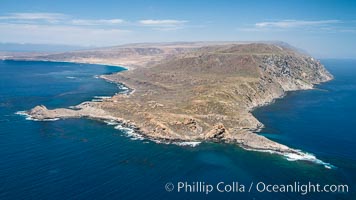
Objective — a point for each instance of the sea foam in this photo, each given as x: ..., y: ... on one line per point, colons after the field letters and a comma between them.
x: 191, y: 144
x: 307, y: 157
x: 100, y: 98
x: 71, y: 77
x: 303, y: 156
x: 29, y: 117
x: 131, y: 133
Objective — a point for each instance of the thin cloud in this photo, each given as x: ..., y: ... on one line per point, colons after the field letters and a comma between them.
x: 167, y: 22
x: 63, y: 19
x: 332, y: 25
x: 61, y: 34
x: 34, y: 16
x: 294, y: 23
x: 58, y: 28
x: 56, y: 18
x: 86, y: 22
x: 163, y: 25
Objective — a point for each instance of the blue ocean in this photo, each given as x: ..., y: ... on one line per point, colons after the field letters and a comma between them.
x: 88, y: 159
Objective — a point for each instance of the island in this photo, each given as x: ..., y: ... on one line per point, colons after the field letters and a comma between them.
x: 194, y: 91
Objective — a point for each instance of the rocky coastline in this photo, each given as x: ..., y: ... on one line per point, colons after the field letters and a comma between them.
x: 205, y: 94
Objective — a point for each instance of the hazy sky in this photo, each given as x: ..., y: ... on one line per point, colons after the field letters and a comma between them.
x: 323, y: 28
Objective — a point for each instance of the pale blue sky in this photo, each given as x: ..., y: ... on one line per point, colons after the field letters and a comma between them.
x: 323, y: 28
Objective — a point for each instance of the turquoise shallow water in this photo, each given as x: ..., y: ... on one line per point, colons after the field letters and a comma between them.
x: 86, y: 159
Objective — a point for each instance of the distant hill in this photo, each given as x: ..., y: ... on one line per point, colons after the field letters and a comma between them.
x: 134, y: 55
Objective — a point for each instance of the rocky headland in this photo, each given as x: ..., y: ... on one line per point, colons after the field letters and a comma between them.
x: 195, y: 91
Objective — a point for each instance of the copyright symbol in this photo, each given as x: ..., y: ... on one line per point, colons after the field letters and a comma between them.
x: 169, y: 187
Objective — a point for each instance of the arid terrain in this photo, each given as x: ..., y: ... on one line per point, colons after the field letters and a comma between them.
x: 194, y: 91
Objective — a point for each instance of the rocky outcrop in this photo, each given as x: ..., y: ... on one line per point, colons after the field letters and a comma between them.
x: 218, y: 133
x: 42, y: 113
x: 86, y: 109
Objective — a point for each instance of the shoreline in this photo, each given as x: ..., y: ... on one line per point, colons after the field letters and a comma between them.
x: 183, y: 99
x: 135, y: 133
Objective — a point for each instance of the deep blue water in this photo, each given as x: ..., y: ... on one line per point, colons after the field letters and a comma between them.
x: 86, y: 159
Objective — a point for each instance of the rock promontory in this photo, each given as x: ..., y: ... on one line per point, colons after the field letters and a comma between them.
x: 202, y: 92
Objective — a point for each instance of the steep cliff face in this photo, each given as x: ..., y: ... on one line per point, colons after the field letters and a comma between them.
x: 282, y: 73
x: 205, y: 93
x: 294, y: 72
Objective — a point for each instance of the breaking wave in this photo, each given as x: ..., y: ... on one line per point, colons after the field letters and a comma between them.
x: 302, y: 156
x: 100, y: 98
x: 71, y: 77
x: 191, y: 144
x: 137, y: 136
x: 29, y: 117
x: 307, y: 157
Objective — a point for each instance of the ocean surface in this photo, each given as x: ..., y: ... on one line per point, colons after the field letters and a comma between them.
x: 88, y: 159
